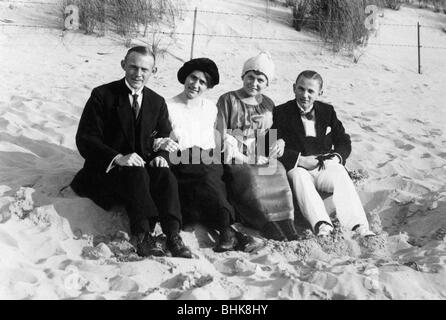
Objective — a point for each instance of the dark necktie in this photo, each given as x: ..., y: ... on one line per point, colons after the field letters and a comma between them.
x: 135, y: 106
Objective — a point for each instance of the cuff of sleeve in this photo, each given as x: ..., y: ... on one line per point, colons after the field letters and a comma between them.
x: 297, y: 161
x: 157, y: 144
x: 112, y: 163
x: 230, y: 146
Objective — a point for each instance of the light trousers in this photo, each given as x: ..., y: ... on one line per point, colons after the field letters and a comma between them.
x: 333, y: 179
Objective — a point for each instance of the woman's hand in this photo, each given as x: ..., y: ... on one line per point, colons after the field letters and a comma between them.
x: 277, y: 149
x: 261, y: 160
x: 159, y: 162
x: 166, y: 144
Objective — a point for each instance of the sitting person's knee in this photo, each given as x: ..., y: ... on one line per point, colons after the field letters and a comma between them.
x: 166, y: 174
x: 297, y: 173
x: 130, y: 170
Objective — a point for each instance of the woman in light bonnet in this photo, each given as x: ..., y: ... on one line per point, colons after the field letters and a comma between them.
x: 263, y: 202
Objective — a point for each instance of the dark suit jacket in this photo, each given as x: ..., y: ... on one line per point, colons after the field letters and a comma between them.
x: 288, y: 123
x: 107, y: 128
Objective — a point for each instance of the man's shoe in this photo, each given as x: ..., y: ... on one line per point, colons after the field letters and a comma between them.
x: 362, y: 231
x: 150, y: 246
x: 287, y: 227
x: 177, y: 247
x: 227, y: 240
x: 324, y: 230
x: 272, y: 231
x: 247, y: 243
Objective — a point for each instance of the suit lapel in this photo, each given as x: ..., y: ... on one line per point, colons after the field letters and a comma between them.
x: 143, y: 116
x: 296, y: 121
x: 320, y: 121
x: 125, y: 114
x: 146, y: 117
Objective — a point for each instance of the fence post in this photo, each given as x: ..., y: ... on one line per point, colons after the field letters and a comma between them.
x: 193, y: 34
x: 419, y: 48
x: 267, y: 10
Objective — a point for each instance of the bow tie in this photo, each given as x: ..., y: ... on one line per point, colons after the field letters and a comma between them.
x: 308, y: 115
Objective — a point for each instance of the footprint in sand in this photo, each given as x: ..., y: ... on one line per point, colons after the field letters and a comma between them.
x: 391, y: 158
x: 404, y: 146
x: 435, y: 133
x: 366, y: 128
x: 417, y: 121
x: 360, y: 117
x: 6, y: 238
x: 356, y: 137
x: 407, y: 137
x: 126, y: 284
x: 19, y: 275
x: 368, y: 146
x: 429, y: 145
x: 16, y: 99
x: 370, y: 114
x: 3, y: 122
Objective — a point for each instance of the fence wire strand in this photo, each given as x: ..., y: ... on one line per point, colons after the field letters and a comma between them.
x: 4, y: 25
x: 247, y: 37
x: 267, y: 17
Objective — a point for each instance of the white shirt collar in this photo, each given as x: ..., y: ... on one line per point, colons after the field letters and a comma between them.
x: 302, y: 110
x: 133, y: 91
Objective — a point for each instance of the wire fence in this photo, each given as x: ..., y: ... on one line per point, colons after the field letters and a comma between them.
x: 7, y: 25
x: 182, y: 10
x: 266, y: 16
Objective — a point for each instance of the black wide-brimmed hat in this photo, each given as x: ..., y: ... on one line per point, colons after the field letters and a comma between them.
x: 200, y: 64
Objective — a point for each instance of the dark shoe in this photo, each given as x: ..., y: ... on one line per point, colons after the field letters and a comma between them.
x: 287, y: 227
x: 177, y: 247
x: 227, y: 240
x: 272, y: 231
x: 150, y: 246
x: 246, y: 242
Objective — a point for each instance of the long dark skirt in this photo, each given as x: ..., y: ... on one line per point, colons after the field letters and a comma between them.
x: 203, y: 195
x: 258, y: 197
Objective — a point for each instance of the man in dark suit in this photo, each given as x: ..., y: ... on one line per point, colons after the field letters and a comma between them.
x: 115, y: 136
x: 316, y: 148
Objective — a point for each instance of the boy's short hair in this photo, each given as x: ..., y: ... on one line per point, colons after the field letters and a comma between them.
x: 142, y: 50
x: 310, y: 74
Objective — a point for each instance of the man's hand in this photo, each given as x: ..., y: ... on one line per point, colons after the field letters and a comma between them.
x: 167, y: 144
x: 308, y: 162
x: 159, y: 162
x: 130, y: 160
x: 277, y: 149
x: 261, y: 160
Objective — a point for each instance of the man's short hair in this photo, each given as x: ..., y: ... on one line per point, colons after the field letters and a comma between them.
x: 142, y: 50
x: 310, y: 74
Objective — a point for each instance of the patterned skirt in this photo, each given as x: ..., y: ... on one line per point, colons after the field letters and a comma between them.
x: 259, y: 195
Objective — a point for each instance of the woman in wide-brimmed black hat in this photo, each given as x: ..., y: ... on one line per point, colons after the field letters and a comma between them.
x: 195, y: 157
